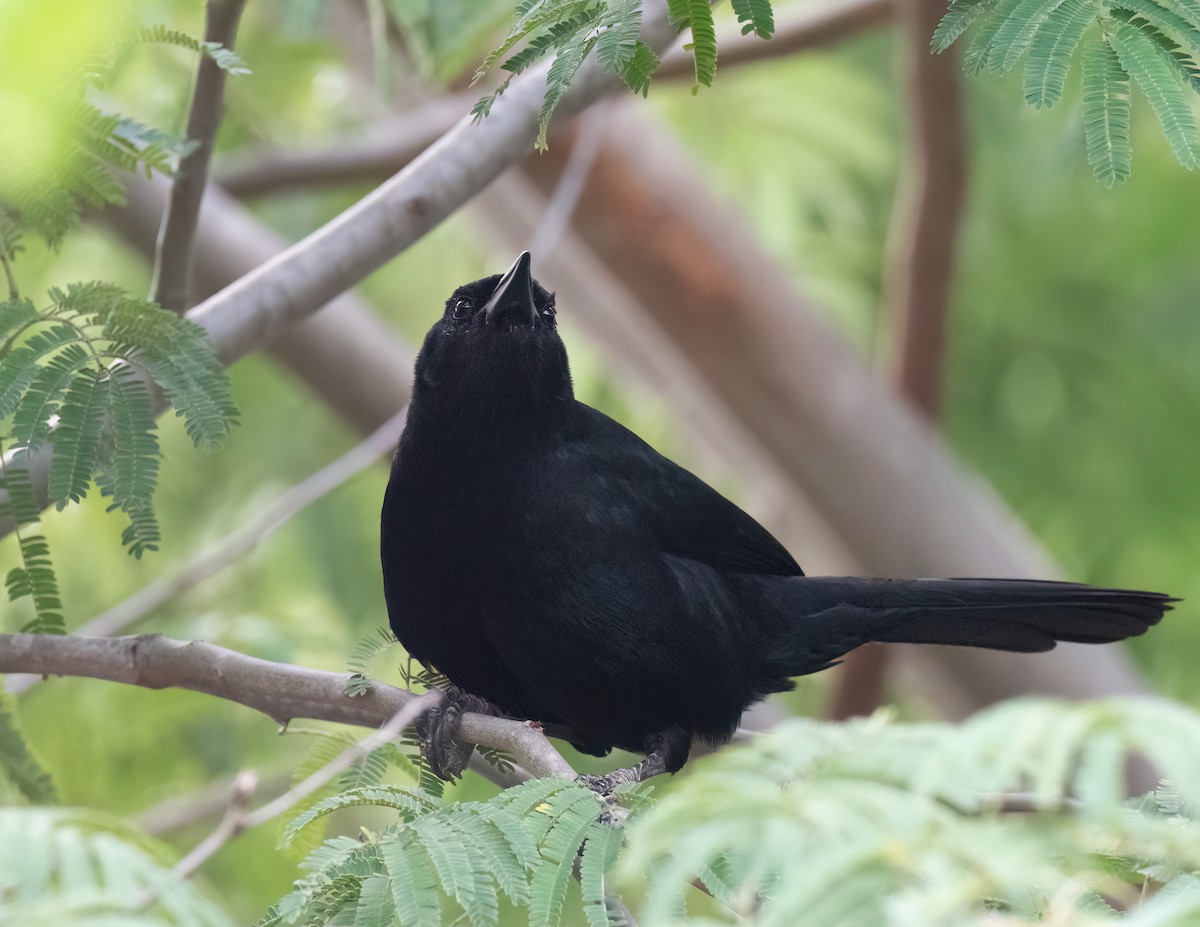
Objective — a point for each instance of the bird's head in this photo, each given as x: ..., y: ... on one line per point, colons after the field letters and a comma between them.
x: 495, y: 350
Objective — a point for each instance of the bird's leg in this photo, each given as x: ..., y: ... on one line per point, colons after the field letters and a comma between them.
x: 438, y: 730
x: 665, y: 752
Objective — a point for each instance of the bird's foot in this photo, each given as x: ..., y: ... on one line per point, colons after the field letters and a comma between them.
x: 605, y: 785
x: 438, y: 729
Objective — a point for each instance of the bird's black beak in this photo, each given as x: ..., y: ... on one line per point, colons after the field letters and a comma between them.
x: 513, y: 296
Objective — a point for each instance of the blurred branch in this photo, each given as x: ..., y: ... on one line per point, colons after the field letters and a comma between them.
x: 279, y: 690
x: 180, y: 811
x: 876, y: 472
x: 235, y: 545
x: 388, y: 146
x: 382, y: 148
x: 232, y: 823
x: 172, y: 268
x: 6, y: 259
x: 920, y: 272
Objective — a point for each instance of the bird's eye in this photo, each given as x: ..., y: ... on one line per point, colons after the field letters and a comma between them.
x: 462, y: 309
x: 548, y: 311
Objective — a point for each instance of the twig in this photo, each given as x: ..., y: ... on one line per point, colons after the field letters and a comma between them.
x: 232, y: 824
x: 279, y: 690
x: 235, y: 545
x: 183, y: 810
x: 172, y: 269
x: 396, y: 725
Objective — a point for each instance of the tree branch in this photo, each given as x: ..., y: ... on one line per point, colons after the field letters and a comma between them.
x: 172, y: 270
x: 279, y: 690
x: 386, y: 147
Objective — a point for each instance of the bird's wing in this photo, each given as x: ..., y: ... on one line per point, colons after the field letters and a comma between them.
x: 634, y: 489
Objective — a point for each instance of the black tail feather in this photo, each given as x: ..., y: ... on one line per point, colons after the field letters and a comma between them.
x: 833, y: 615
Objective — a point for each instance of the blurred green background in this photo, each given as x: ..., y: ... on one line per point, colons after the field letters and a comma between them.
x: 1073, y: 379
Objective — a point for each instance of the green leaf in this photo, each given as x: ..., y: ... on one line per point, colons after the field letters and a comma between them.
x: 82, y: 416
x: 414, y: 882
x: 537, y: 17
x: 1014, y: 36
x: 566, y: 64
x: 1158, y: 83
x: 406, y: 801
x: 980, y: 50
x: 135, y: 458
x: 640, y: 69
x: 698, y: 16
x: 375, y: 907
x: 1164, y: 19
x: 756, y: 16
x: 17, y: 761
x: 958, y: 17
x: 617, y: 40
x: 1172, y: 53
x: 1051, y: 51
x: 1106, y: 97
x: 600, y: 852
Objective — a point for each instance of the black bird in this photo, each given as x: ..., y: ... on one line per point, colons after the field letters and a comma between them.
x: 551, y: 563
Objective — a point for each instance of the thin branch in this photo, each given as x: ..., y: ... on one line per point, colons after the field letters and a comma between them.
x: 279, y: 690
x: 172, y: 270
x: 212, y: 798
x: 395, y: 726
x: 232, y: 824
x: 385, y: 148
x: 232, y: 548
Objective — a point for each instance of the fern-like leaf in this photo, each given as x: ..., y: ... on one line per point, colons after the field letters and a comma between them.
x: 537, y: 17
x: 617, y: 40
x: 1157, y: 81
x: 640, y: 69
x: 1164, y: 19
x: 566, y: 64
x: 1013, y: 37
x: 82, y: 417
x: 135, y: 459
x: 406, y: 801
x: 40, y: 402
x: 600, y: 852
x: 958, y: 18
x: 375, y: 908
x: 979, y: 51
x: 413, y: 882
x: 697, y: 15
x: 1051, y: 50
x: 1106, y: 98
x: 756, y: 17
x: 221, y: 56
x: 569, y: 823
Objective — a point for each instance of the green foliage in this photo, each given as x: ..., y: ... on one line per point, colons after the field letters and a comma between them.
x: 359, y: 661
x: 80, y: 362
x: 1154, y: 42
x: 522, y: 845
x: 1019, y: 813
x: 18, y: 765
x: 572, y: 29
x: 75, y: 867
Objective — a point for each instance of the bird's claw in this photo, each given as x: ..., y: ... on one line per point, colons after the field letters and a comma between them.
x: 438, y: 729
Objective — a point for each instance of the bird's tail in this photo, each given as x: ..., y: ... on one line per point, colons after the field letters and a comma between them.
x: 830, y: 616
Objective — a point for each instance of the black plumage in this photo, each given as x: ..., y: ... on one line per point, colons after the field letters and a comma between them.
x: 548, y: 560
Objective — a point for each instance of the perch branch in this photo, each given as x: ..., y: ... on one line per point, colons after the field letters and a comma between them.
x: 279, y: 690
x: 172, y: 269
